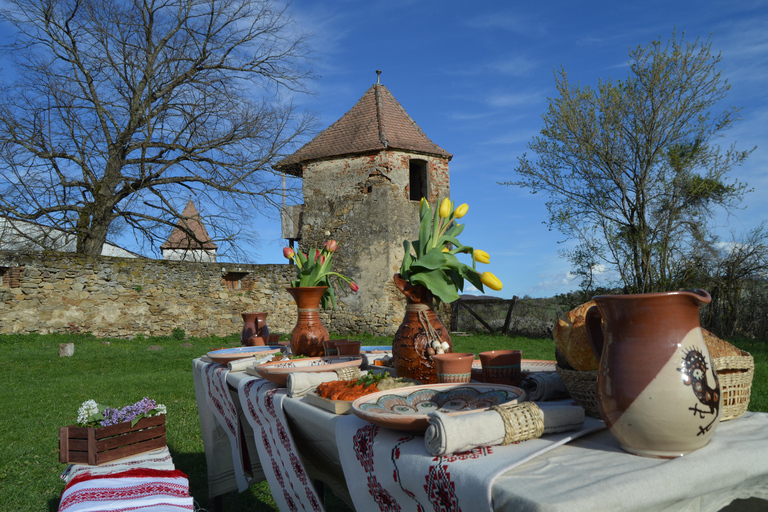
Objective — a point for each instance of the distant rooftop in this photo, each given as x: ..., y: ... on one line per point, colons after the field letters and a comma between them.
x: 180, y: 239
x: 376, y: 122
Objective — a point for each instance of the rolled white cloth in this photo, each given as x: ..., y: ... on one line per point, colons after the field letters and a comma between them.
x: 299, y: 384
x: 452, y: 434
x: 544, y: 386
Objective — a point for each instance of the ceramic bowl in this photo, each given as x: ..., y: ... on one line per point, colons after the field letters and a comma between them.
x: 408, y: 408
x: 278, y: 371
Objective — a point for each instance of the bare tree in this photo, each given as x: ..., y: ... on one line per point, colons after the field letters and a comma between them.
x: 121, y: 111
x: 631, y: 170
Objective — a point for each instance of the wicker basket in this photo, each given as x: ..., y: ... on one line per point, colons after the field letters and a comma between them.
x: 583, y: 388
x: 735, y: 375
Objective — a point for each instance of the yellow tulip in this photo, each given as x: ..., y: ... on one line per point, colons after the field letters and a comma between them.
x: 482, y: 256
x: 445, y: 249
x: 421, y: 203
x: 461, y: 211
x: 445, y: 208
x: 491, y: 281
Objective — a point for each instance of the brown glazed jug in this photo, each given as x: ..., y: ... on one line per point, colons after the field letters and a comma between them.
x: 254, y: 325
x: 657, y: 390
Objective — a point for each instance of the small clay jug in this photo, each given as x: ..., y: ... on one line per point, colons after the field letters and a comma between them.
x: 254, y: 325
x: 412, y: 345
x: 309, y: 333
x: 657, y: 390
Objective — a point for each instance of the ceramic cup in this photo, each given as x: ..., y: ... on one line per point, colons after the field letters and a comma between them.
x: 348, y: 348
x: 502, y: 366
x: 329, y: 348
x: 255, y: 341
x: 454, y: 368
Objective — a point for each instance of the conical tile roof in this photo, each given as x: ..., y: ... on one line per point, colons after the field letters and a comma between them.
x: 180, y: 239
x: 376, y: 122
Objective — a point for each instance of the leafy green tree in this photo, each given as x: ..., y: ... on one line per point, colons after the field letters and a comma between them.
x: 121, y: 110
x: 630, y: 169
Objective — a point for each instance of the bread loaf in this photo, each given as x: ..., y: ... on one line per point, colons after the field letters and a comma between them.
x: 571, y: 340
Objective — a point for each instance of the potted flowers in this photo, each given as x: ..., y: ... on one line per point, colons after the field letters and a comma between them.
x: 431, y: 271
x: 311, y: 288
x: 104, y: 434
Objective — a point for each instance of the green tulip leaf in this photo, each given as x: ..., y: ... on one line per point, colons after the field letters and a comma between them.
x: 438, y: 283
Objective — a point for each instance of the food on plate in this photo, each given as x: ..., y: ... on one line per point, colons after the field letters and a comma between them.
x: 570, y: 333
x: 718, y: 347
x: 365, y: 385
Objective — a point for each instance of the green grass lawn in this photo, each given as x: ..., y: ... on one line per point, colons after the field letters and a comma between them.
x: 42, y: 391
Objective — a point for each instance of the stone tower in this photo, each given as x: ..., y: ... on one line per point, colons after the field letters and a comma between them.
x: 363, y: 179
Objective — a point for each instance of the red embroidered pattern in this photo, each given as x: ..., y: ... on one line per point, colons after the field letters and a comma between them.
x: 363, y: 443
x: 440, y: 490
x: 136, y: 491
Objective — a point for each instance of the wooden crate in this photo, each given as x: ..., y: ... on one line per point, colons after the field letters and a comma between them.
x: 99, y: 445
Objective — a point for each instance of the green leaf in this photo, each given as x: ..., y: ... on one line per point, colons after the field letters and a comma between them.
x: 438, y: 283
x: 436, y: 259
x: 405, y: 266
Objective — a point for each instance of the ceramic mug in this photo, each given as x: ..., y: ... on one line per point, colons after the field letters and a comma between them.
x: 454, y: 368
x: 348, y: 348
x: 502, y: 366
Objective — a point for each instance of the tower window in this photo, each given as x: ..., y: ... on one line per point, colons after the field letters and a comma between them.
x: 418, y: 180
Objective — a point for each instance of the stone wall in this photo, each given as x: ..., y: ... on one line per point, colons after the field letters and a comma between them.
x: 120, y: 297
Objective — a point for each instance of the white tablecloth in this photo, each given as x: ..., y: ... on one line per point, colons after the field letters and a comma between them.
x: 589, y: 474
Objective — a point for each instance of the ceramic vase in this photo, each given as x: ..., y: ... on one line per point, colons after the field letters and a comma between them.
x: 254, y: 326
x: 309, y: 333
x: 412, y: 346
x: 657, y: 390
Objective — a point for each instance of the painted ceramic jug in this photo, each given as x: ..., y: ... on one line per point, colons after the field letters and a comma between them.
x: 657, y: 390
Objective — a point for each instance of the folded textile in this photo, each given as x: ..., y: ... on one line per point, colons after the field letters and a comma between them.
x: 156, y: 459
x: 135, y: 489
x: 239, y: 365
x: 299, y: 384
x: 448, y: 434
x: 544, y: 386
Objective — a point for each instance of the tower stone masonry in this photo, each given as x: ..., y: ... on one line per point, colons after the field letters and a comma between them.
x: 363, y: 179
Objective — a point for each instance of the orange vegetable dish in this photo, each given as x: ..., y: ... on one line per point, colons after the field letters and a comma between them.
x: 345, y: 390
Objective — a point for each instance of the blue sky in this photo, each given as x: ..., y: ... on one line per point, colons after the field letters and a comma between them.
x: 475, y: 76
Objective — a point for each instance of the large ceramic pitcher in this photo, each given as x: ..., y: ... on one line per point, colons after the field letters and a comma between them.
x: 657, y: 390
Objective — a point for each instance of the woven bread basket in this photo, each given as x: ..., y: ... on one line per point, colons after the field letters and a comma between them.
x: 582, y: 387
x: 735, y: 375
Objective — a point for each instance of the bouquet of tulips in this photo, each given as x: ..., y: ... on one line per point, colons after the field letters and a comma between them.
x: 431, y: 260
x: 315, y: 270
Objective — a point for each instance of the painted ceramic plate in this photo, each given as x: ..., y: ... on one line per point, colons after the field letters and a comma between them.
x: 278, y: 371
x: 225, y: 355
x: 407, y: 408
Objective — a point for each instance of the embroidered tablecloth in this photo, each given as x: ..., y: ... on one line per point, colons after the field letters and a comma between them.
x: 262, y: 402
x: 222, y: 406
x: 147, y: 490
x: 391, y: 470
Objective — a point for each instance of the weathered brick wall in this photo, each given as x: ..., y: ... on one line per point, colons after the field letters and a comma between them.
x: 116, y: 297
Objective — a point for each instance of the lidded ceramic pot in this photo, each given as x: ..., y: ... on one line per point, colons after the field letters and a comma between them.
x: 657, y: 390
